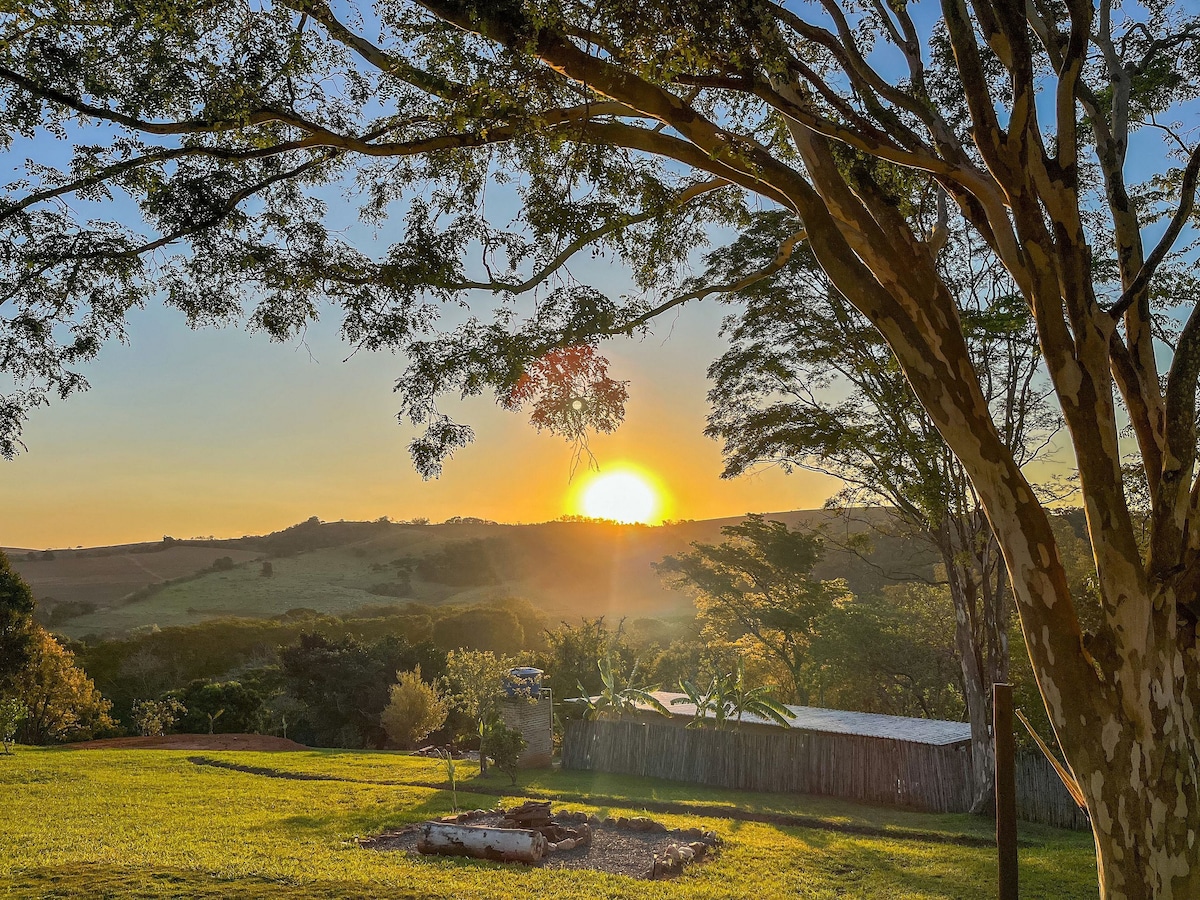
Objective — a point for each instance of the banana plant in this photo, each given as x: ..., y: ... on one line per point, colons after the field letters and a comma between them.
x: 619, y: 695
x: 740, y: 699
x: 727, y: 699
x: 709, y: 705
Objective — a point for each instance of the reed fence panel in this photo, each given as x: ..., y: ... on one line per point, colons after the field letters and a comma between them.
x: 1041, y: 796
x: 876, y: 770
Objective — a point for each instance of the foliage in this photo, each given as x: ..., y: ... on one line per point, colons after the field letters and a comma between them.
x: 892, y: 653
x: 470, y: 563
x: 569, y: 659
x: 415, y: 709
x: 61, y: 702
x: 480, y: 628
x: 756, y: 586
x: 224, y: 707
x: 620, y: 695
x: 16, y: 623
x: 12, y: 714
x: 505, y: 746
x: 55, y: 612
x: 476, y: 681
x: 154, y: 718
x: 344, y: 685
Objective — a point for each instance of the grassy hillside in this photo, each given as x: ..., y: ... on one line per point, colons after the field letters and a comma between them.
x: 104, y: 575
x: 567, y: 569
x: 126, y: 824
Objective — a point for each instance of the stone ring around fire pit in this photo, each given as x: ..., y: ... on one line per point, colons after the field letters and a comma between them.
x: 530, y: 834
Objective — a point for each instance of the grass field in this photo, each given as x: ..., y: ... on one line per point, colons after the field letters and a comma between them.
x: 164, y: 824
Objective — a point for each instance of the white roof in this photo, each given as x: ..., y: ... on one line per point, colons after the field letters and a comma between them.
x: 840, y: 721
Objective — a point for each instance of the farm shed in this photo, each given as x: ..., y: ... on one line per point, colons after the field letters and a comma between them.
x: 918, y: 763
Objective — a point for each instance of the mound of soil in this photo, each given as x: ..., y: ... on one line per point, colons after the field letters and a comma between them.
x: 258, y: 742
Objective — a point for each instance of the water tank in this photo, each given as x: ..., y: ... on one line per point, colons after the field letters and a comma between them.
x: 523, y: 682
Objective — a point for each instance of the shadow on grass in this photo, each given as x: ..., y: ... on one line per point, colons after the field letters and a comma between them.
x: 374, y: 818
x: 111, y: 882
x: 652, y: 806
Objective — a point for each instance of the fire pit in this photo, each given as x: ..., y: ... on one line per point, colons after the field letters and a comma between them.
x: 533, y: 835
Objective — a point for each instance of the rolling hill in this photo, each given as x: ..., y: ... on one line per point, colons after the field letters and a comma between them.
x: 567, y: 569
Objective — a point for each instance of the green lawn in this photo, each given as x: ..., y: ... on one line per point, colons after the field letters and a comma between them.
x: 156, y: 824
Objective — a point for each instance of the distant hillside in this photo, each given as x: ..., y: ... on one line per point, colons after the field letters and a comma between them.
x: 567, y: 569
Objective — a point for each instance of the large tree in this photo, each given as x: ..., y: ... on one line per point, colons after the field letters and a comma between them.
x: 631, y: 126
x: 808, y: 382
x: 755, y: 588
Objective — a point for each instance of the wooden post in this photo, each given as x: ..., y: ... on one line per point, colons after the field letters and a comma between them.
x: 1006, y: 789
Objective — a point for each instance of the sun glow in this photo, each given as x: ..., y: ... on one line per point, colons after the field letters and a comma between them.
x: 623, y: 496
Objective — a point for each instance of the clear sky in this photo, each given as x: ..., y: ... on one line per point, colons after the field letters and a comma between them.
x: 221, y: 432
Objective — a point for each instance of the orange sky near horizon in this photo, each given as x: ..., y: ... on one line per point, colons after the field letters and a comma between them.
x: 221, y: 432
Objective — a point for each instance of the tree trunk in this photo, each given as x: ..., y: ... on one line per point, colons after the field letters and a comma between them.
x: 979, y: 593
x: 1139, y: 775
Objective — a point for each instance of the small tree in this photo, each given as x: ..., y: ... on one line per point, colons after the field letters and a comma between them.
x: 415, y: 709
x: 12, y: 713
x: 61, y: 701
x: 447, y: 758
x: 476, y: 681
x: 505, y: 746
x: 154, y: 718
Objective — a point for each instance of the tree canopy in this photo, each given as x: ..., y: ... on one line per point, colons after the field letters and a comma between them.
x: 635, y: 128
x: 16, y: 624
x: 755, y: 588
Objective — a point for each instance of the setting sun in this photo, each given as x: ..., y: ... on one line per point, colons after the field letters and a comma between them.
x: 621, y: 496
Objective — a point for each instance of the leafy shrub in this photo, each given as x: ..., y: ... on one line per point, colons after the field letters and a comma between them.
x: 226, y: 707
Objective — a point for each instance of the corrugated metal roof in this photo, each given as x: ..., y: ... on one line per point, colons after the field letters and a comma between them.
x: 839, y: 721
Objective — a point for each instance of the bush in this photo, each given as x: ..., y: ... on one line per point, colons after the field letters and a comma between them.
x: 154, y: 718
x: 227, y: 707
x: 12, y: 714
x: 61, y: 702
x: 415, y: 710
